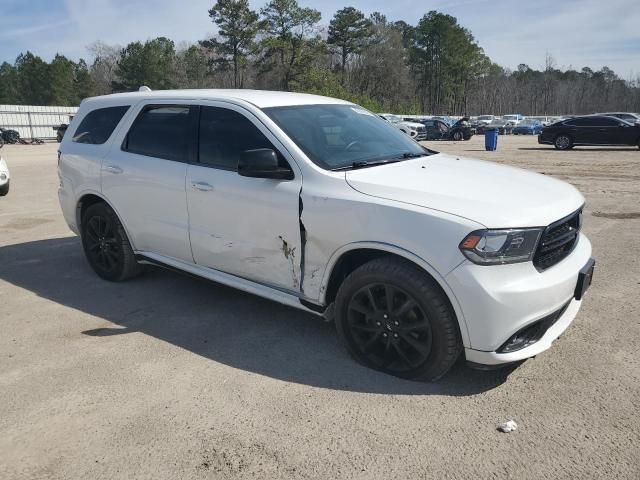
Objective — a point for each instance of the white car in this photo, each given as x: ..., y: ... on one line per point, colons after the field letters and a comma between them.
x: 5, y: 178
x: 321, y: 205
x: 484, y: 119
x: 415, y: 130
x: 513, y: 120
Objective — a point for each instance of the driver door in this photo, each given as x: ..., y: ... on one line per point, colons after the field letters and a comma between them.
x: 248, y: 227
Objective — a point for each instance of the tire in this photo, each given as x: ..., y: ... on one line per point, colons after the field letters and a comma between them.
x: 416, y: 337
x: 563, y: 142
x: 106, y: 245
x: 457, y: 136
x: 4, y: 189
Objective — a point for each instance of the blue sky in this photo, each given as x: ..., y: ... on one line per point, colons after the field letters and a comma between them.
x: 576, y: 33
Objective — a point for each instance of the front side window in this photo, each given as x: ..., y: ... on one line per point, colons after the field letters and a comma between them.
x: 162, y: 131
x: 98, y: 125
x: 224, y: 135
x: 337, y: 136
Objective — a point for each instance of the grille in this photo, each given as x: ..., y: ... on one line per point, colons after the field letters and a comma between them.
x: 558, y: 241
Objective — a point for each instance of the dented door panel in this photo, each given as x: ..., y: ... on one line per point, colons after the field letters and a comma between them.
x: 248, y: 227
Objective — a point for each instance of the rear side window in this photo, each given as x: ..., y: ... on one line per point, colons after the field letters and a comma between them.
x: 98, y: 125
x: 582, y: 122
x: 162, y: 131
x: 224, y: 135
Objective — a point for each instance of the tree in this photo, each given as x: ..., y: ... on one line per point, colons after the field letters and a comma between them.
x: 33, y: 80
x: 61, y: 81
x: 238, y: 26
x: 8, y: 84
x: 104, y: 66
x: 444, y: 56
x: 288, y: 47
x: 348, y: 31
x: 150, y: 64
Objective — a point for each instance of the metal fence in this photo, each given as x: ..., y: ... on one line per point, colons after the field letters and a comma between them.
x: 33, y: 121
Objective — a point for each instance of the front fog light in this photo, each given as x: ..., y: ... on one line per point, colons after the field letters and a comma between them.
x: 497, y: 247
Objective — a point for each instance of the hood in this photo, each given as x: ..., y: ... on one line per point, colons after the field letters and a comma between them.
x: 493, y: 195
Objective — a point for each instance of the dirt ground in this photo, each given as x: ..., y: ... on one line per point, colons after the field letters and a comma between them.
x: 168, y: 376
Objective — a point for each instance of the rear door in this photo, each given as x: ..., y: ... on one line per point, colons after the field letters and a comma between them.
x: 609, y: 131
x: 248, y: 227
x: 144, y: 177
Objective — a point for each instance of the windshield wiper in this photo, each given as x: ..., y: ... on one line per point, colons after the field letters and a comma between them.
x: 374, y: 163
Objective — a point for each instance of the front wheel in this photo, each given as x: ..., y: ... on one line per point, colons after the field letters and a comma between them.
x: 4, y: 189
x: 394, y: 318
x: 563, y: 142
x: 457, y: 136
x: 106, y: 245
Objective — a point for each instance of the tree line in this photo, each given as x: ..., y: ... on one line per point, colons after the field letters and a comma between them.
x: 435, y: 66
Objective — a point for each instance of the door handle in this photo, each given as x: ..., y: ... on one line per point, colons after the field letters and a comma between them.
x: 113, y: 169
x: 202, y: 186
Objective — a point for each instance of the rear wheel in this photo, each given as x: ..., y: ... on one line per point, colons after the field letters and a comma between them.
x: 394, y: 318
x: 106, y: 244
x: 563, y: 142
x: 4, y: 189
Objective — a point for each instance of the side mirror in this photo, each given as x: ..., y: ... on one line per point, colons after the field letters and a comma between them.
x: 262, y: 163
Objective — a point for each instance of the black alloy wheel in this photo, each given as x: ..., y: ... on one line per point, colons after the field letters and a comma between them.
x: 389, y: 328
x: 106, y: 245
x: 563, y: 142
x: 101, y: 244
x: 393, y: 317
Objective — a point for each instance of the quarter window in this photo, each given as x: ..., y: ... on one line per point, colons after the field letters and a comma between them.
x: 225, y: 134
x: 98, y: 125
x: 162, y: 131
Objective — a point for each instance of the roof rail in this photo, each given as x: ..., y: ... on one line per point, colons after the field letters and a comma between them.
x: 144, y: 88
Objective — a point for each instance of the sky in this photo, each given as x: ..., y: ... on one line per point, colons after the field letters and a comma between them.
x: 576, y: 33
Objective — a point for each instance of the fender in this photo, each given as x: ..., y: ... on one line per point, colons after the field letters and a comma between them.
x: 104, y: 199
x: 415, y: 259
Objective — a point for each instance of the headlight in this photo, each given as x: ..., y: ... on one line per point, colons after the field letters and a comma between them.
x: 497, y: 247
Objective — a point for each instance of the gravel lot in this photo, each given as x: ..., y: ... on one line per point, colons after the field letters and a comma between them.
x: 168, y: 376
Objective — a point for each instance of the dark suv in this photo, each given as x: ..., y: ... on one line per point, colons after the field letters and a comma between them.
x: 590, y: 130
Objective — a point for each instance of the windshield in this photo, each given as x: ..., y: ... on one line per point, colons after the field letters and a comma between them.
x: 337, y: 136
x: 485, y: 117
x: 391, y: 118
x: 530, y: 122
x: 510, y: 117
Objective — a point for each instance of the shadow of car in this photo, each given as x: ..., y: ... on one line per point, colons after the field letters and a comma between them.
x: 216, y: 322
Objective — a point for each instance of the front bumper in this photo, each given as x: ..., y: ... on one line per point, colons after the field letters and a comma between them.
x: 421, y: 136
x: 498, y: 301
x: 542, y: 140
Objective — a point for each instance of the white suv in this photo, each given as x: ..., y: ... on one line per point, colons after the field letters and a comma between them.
x: 321, y: 205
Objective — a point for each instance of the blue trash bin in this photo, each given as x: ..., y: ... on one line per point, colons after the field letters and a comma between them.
x: 491, y: 139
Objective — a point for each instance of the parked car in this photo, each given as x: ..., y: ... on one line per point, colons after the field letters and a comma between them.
x: 61, y: 130
x: 513, y: 119
x: 484, y: 119
x: 629, y: 117
x: 528, y: 127
x: 414, y: 129
x: 590, y: 130
x: 499, y: 124
x: 318, y: 204
x: 544, y: 120
x: 437, y: 129
x: 5, y: 178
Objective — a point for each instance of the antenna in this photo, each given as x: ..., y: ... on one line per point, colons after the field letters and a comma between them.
x: 144, y: 88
